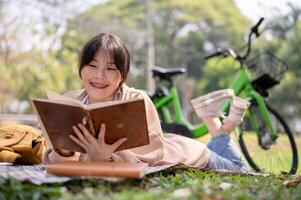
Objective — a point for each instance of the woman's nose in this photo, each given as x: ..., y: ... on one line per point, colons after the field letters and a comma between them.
x: 100, y: 73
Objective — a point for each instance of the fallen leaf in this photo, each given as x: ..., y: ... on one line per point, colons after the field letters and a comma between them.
x: 181, y: 193
x: 225, y: 186
x: 292, y: 182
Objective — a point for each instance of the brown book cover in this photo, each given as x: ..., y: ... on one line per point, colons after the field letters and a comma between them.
x: 122, y: 118
x: 112, y: 169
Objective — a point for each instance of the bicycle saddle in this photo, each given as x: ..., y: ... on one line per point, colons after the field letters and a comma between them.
x: 167, y: 73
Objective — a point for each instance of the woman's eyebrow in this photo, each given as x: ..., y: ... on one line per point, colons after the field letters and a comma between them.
x: 111, y: 62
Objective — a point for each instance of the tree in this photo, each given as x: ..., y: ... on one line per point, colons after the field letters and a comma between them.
x: 25, y: 74
x: 285, y: 30
x: 184, y: 31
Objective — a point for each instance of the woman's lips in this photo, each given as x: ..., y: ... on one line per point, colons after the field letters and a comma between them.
x: 99, y: 85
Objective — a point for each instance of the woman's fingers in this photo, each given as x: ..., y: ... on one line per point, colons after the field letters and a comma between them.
x: 77, y: 142
x: 80, y: 136
x: 101, y: 137
x: 118, y: 143
x: 102, y: 133
x: 88, y: 136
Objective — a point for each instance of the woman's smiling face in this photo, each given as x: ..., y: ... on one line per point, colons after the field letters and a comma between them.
x: 101, y: 77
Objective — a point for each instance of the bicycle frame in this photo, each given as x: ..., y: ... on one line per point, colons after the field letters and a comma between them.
x: 241, y: 86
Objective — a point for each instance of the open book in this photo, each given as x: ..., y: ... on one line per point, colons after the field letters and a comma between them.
x: 125, y: 118
x: 112, y: 169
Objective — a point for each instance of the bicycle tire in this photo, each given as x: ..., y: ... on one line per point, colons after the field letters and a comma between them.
x: 178, y: 129
x: 255, y: 160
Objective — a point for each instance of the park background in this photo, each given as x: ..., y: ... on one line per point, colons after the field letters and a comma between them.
x: 40, y: 42
x: 39, y: 46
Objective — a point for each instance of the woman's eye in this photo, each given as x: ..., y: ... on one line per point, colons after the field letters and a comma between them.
x: 110, y: 68
x: 93, y: 66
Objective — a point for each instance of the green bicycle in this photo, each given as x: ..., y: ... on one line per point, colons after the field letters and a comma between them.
x: 264, y: 137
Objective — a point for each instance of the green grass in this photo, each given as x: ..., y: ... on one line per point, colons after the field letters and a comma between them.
x: 179, y: 184
x: 278, y: 156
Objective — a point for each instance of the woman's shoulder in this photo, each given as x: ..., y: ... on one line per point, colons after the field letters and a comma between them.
x: 131, y: 92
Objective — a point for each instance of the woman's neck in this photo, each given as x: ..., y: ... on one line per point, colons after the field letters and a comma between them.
x: 116, y: 95
x: 90, y: 100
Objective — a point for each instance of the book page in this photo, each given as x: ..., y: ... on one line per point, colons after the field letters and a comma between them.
x: 108, y: 103
x: 53, y: 96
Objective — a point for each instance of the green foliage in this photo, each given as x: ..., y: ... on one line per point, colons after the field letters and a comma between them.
x: 180, y: 29
x: 287, y: 49
x: 217, y: 74
x: 32, y: 74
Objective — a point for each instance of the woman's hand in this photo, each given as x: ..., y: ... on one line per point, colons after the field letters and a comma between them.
x: 96, y: 149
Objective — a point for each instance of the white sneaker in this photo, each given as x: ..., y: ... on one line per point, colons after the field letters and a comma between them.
x: 209, y: 104
x: 224, y: 92
x: 237, y: 110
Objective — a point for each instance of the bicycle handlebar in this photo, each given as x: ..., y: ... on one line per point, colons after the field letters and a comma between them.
x: 219, y: 52
x: 230, y: 52
x: 254, y: 29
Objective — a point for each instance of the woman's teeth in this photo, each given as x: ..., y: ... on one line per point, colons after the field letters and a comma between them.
x: 98, y: 85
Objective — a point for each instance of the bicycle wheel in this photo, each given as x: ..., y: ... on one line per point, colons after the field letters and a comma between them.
x: 264, y: 154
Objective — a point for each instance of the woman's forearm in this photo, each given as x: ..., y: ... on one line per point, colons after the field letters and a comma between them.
x: 52, y: 156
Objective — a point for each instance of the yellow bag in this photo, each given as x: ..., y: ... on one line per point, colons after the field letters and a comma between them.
x: 21, y: 144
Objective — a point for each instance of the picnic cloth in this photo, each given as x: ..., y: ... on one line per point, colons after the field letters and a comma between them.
x: 37, y: 174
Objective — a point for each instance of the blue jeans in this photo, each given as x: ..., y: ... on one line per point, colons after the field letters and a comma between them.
x: 225, y: 155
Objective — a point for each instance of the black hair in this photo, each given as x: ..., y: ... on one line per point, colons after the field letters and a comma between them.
x: 113, y: 45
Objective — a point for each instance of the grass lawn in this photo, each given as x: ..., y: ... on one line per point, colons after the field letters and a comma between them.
x: 179, y: 184
x: 176, y: 184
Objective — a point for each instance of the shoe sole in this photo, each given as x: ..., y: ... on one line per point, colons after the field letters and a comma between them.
x: 207, y: 108
x: 197, y: 105
x: 227, y: 92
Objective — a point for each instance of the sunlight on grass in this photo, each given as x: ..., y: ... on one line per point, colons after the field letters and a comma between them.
x: 272, y: 163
